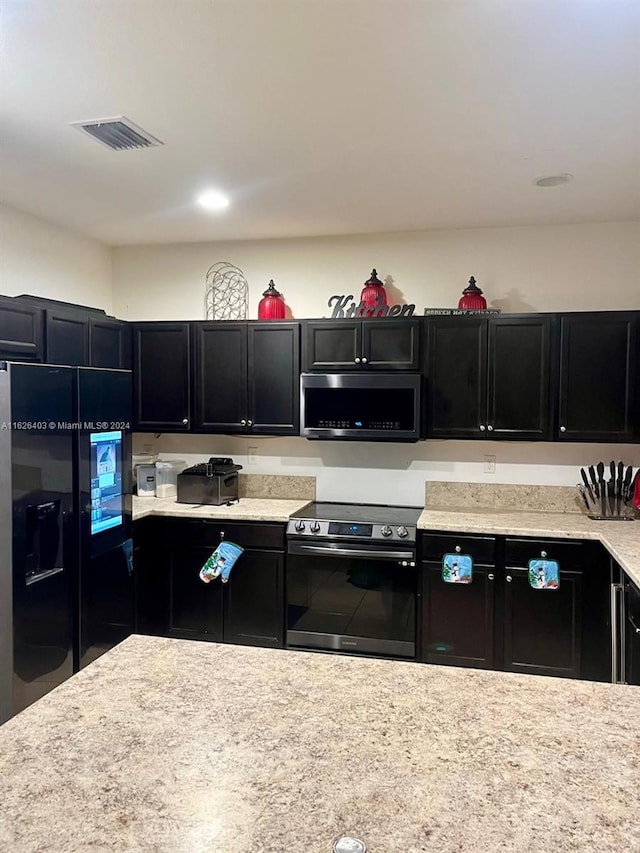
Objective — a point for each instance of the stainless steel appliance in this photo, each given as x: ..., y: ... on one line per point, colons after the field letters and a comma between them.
x: 214, y: 482
x: 351, y: 579
x: 366, y: 406
x: 66, y: 590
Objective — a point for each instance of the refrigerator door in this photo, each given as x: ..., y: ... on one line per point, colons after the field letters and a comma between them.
x: 103, y: 447
x: 39, y: 411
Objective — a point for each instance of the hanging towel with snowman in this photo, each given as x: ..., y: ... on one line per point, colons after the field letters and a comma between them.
x: 221, y: 562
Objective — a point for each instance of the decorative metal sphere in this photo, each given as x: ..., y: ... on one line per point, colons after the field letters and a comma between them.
x: 226, y: 293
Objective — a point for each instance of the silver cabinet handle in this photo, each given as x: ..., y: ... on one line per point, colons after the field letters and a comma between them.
x: 364, y: 359
x: 563, y: 429
x: 490, y: 428
x: 185, y: 421
x: 633, y: 624
x: 543, y: 554
x: 458, y: 549
x: 508, y: 579
x: 490, y: 576
x: 357, y: 360
x: 250, y: 423
x: 482, y: 427
x: 243, y: 422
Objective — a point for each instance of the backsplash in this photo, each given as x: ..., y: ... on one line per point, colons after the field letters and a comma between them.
x: 501, y: 496
x: 276, y: 486
x: 393, y: 473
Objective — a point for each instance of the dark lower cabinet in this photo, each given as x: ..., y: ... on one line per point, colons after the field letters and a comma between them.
x: 457, y: 619
x: 499, y: 621
x: 172, y: 601
x: 254, y: 600
x: 195, y: 608
x: 542, y: 627
x: 631, y: 633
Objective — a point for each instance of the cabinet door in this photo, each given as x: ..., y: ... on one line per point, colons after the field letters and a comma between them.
x: 391, y: 344
x: 457, y: 619
x: 110, y: 344
x: 542, y: 627
x: 67, y: 337
x: 631, y: 633
x: 20, y: 330
x: 195, y: 608
x: 598, y: 370
x: 519, y: 378
x: 457, y: 378
x: 161, y: 377
x: 254, y: 605
x: 221, y: 377
x: 274, y: 378
x: 333, y: 345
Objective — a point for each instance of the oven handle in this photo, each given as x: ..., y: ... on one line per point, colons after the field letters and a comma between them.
x: 333, y: 551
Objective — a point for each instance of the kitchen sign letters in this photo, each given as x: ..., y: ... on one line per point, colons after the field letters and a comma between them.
x: 344, y: 306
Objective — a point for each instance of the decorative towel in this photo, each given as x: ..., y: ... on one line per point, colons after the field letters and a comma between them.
x: 221, y: 562
x: 457, y: 568
x: 544, y: 574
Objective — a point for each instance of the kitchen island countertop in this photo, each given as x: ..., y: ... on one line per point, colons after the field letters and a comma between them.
x: 177, y: 746
x: 620, y: 538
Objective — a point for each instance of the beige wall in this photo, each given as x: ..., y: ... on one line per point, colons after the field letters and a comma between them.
x: 540, y: 268
x: 41, y: 258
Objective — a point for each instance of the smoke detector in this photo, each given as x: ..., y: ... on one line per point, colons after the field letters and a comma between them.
x: 118, y: 133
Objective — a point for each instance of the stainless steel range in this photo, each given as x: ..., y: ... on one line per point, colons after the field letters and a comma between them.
x: 351, y: 578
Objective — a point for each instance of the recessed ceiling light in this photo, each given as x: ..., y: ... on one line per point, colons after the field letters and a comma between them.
x: 553, y: 180
x: 213, y: 200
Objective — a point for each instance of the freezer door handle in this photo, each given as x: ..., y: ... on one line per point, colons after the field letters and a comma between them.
x: 41, y: 576
x: 618, y: 650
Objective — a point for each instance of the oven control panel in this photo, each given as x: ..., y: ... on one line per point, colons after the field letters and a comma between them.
x: 350, y: 530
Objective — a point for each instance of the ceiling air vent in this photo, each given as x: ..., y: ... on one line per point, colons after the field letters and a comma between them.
x: 117, y: 133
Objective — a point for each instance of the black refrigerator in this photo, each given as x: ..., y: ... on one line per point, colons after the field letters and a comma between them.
x: 66, y: 585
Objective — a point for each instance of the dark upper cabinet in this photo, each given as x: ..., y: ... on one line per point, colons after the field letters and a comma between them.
x: 598, y: 386
x: 67, y: 337
x: 109, y: 344
x: 20, y: 330
x: 254, y: 600
x: 457, y: 377
x: 220, y: 377
x: 247, y: 377
x: 385, y: 344
x: 161, y: 377
x: 489, y: 377
x: 273, y: 380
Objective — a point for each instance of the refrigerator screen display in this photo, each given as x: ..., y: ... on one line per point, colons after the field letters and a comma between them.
x: 106, y: 480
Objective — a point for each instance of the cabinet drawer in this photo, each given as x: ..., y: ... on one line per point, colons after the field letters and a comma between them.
x: 481, y: 548
x: 206, y: 532
x: 569, y: 554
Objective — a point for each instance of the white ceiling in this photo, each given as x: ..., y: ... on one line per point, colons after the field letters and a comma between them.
x: 321, y: 116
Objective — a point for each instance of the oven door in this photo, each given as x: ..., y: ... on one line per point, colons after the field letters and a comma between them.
x: 359, y: 598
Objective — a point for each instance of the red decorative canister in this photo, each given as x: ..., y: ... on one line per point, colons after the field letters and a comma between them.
x: 271, y: 305
x: 373, y: 294
x: 472, y: 298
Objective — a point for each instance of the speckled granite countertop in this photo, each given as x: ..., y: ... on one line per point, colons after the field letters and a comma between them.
x: 620, y: 538
x: 180, y: 746
x: 247, y: 509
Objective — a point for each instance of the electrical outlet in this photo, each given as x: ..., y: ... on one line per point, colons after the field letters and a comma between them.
x: 252, y: 455
x: 147, y: 448
x: 489, y: 464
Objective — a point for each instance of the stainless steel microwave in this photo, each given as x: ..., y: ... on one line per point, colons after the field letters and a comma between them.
x: 367, y: 406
